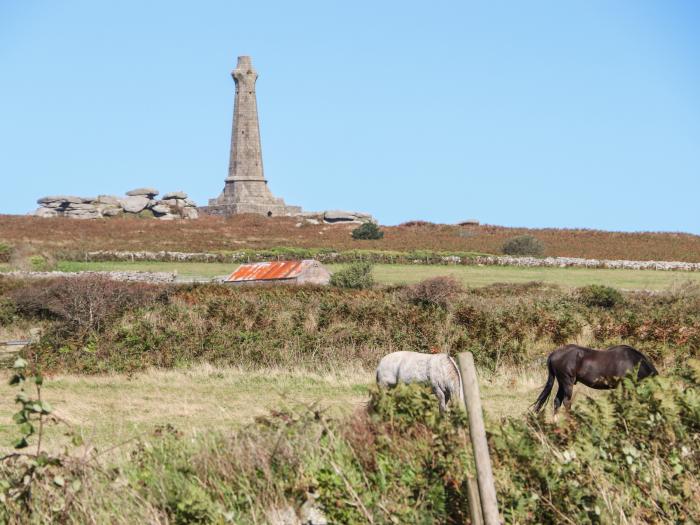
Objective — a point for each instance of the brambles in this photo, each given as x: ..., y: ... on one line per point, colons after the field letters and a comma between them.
x: 438, y: 291
x: 367, y: 231
x: 523, y: 245
x: 599, y: 295
x: 356, y: 275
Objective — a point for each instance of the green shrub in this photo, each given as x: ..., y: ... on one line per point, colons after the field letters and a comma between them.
x: 356, y: 275
x: 5, y: 252
x: 523, y: 245
x: 599, y: 295
x: 39, y: 263
x: 367, y: 231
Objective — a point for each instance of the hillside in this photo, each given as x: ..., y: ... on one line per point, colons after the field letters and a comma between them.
x: 249, y: 231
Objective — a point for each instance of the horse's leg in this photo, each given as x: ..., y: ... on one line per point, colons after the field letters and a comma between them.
x: 441, y: 399
x: 559, y: 398
x: 565, y: 392
x: 568, y: 394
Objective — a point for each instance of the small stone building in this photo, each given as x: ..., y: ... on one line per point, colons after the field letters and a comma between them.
x: 307, y: 271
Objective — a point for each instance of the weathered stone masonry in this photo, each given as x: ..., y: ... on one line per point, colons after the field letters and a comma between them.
x: 245, y: 188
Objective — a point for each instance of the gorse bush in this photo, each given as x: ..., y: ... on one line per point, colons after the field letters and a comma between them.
x: 356, y: 275
x: 367, y: 231
x: 438, y: 291
x: 523, y: 245
x: 599, y: 295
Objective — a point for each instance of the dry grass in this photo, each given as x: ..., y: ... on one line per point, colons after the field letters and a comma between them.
x: 250, y: 231
x: 112, y: 409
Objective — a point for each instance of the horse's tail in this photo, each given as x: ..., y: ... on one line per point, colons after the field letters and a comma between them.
x: 544, y: 395
x: 459, y: 377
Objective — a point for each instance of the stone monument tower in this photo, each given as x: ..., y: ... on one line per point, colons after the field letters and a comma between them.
x: 245, y: 189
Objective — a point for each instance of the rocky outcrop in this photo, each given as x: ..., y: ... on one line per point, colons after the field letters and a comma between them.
x: 140, y: 201
x: 146, y: 192
x: 336, y: 216
x: 333, y: 217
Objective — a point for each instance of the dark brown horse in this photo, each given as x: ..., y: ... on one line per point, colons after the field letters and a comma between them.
x: 601, y: 369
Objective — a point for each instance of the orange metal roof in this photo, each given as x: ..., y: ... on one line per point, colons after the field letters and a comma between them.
x: 267, y: 271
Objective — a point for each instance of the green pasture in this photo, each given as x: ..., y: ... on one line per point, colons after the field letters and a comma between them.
x: 411, y: 273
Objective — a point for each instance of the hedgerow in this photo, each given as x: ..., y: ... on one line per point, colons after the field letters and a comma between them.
x: 320, y: 328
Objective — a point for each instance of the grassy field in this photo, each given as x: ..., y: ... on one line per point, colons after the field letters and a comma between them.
x: 113, y: 409
x: 468, y: 275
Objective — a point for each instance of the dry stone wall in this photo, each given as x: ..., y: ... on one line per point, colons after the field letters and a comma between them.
x: 139, y: 201
x: 380, y: 257
x: 145, y: 277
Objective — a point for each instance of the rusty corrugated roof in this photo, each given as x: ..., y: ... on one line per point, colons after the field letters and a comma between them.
x: 267, y: 271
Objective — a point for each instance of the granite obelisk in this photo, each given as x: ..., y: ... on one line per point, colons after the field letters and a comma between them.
x: 245, y: 188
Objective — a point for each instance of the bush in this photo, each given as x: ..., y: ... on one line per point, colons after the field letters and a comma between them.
x: 41, y: 263
x: 367, y: 231
x: 5, y: 252
x: 523, y: 245
x: 82, y: 304
x: 438, y: 291
x: 599, y: 295
x: 605, y: 460
x: 356, y: 275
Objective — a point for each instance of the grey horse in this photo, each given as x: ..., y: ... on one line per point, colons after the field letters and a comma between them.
x: 438, y: 370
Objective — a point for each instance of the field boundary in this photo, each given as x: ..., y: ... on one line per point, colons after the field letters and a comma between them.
x: 383, y: 257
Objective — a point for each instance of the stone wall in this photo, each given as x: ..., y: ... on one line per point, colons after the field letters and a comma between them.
x: 389, y: 258
x: 140, y: 201
x: 146, y: 277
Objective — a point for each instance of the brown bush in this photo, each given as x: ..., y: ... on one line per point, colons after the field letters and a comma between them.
x: 83, y: 304
x: 438, y: 291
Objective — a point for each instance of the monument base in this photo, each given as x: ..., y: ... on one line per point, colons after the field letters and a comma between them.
x: 272, y: 210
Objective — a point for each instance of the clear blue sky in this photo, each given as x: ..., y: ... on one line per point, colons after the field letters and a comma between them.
x: 540, y: 113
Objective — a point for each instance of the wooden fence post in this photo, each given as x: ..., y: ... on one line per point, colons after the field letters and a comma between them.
x: 474, y: 502
x: 477, y: 432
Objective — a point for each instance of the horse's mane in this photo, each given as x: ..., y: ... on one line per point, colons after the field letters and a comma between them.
x: 628, y: 347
